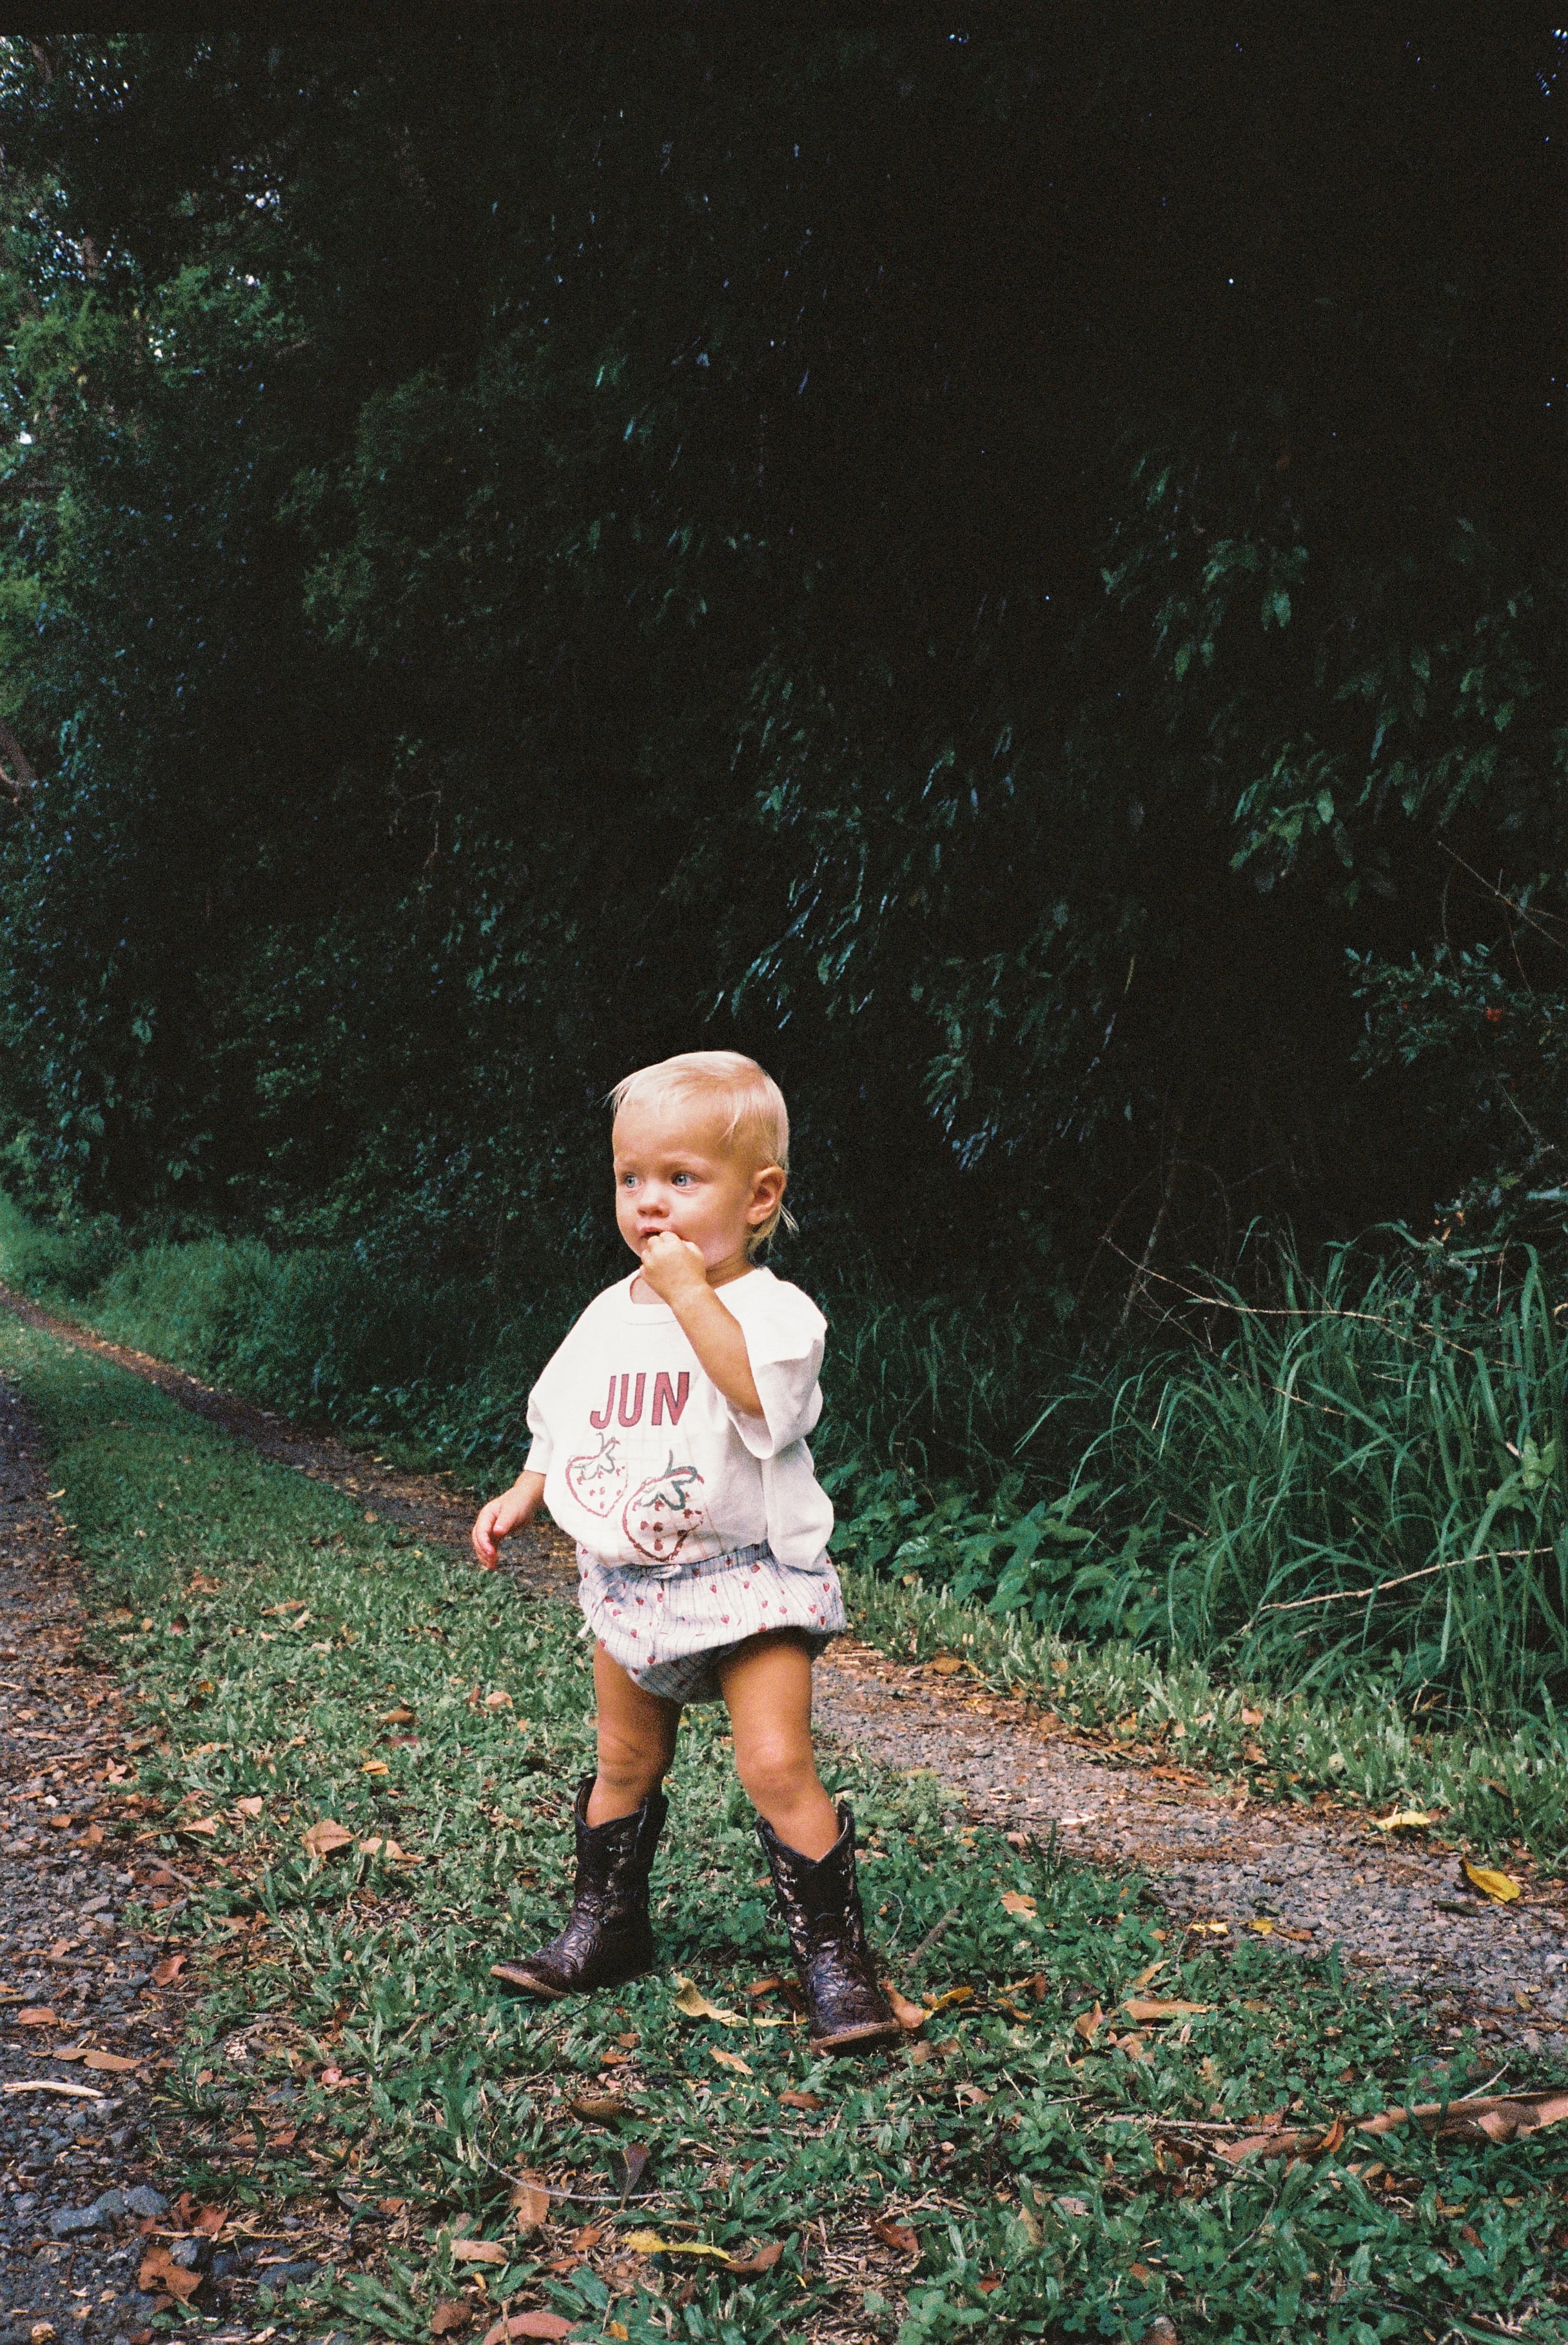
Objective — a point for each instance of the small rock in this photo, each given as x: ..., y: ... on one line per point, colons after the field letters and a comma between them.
x: 66, y: 2222
x: 110, y: 2204
x: 146, y: 2201
x: 288, y: 2275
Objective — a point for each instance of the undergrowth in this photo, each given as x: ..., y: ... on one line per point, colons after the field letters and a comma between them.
x: 351, y: 2053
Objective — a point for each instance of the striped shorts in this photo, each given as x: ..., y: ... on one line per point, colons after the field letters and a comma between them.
x: 669, y: 1625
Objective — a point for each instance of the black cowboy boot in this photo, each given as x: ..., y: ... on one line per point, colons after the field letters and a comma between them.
x: 608, y: 1936
x: 820, y: 1902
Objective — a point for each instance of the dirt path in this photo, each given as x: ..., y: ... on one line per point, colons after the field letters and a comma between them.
x: 1312, y: 1878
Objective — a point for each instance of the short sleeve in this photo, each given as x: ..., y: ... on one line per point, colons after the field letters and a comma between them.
x: 542, y: 1449
x: 785, y: 1334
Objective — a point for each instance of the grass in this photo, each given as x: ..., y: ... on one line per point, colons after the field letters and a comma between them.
x: 349, y: 2062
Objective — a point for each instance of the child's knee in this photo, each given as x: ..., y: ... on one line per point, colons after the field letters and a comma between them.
x: 773, y: 1772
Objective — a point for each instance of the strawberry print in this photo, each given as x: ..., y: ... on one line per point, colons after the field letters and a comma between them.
x: 662, y: 1513
x: 598, y: 1483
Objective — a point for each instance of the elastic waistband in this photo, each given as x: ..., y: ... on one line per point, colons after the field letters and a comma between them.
x: 737, y: 1555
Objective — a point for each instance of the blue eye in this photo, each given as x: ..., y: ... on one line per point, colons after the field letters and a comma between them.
x: 680, y: 1177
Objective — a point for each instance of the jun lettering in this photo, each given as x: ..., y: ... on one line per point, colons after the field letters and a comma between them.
x: 624, y: 1401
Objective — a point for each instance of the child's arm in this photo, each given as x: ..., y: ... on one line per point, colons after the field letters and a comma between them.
x: 678, y: 1276
x: 498, y: 1518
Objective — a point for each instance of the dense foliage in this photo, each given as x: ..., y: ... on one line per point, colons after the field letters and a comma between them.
x: 1017, y: 576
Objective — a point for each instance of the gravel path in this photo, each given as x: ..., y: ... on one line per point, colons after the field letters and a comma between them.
x: 1314, y: 1876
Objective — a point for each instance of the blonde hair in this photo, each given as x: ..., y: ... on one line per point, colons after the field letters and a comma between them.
x: 758, y: 1120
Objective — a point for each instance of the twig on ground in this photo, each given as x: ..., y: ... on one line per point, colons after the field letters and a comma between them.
x: 932, y: 1935
x: 1365, y: 1595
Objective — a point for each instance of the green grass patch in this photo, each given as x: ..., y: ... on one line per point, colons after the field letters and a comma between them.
x: 349, y: 2045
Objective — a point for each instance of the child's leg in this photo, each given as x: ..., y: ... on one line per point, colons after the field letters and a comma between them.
x: 766, y: 1685
x: 636, y: 1741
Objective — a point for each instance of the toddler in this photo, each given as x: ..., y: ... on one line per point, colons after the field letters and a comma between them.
x: 669, y: 1441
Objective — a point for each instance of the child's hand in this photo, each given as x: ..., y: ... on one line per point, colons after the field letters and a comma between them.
x: 672, y: 1266
x: 498, y: 1518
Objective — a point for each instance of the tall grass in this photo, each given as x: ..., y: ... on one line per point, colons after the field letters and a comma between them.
x: 1356, y: 1480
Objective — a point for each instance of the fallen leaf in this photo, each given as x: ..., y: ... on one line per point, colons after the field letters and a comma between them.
x: 1253, y: 1755
x: 897, y: 2235
x: 1144, y: 2007
x: 690, y: 1999
x: 1210, y: 1929
x: 1252, y: 1718
x: 1089, y: 2024
x: 794, y: 2100
x: 530, y: 2202
x: 728, y: 2059
x: 94, y: 1835
x: 159, y: 2270
x: 456, y: 2312
x: 401, y: 1716
x: 51, y: 2085
x: 37, y: 2015
x: 324, y: 1838
x: 113, y: 2062
x: 1404, y: 1820
x: 375, y: 1767
x: 166, y: 1972
x: 1070, y: 2206
x: 954, y: 1995
x: 649, y: 2243
x: 769, y: 1986
x: 630, y: 2165
x: 1501, y: 1887
x: 1017, y: 1901
x: 479, y: 2251
x: 911, y: 2017
x: 1263, y: 1925
x: 205, y: 1825
x: 761, y: 2259
x: 498, y: 1701
x: 598, y: 2108
x: 252, y: 1806
x: 527, y: 2324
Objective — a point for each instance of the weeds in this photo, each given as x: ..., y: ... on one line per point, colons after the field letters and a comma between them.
x: 351, y: 2052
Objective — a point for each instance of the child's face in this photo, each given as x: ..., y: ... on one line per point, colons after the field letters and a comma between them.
x: 675, y: 1171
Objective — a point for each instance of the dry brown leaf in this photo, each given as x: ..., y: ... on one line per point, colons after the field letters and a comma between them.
x: 945, y: 1665
x: 37, y: 2015
x: 761, y: 2259
x: 324, y: 1838
x: 1089, y: 2024
x: 159, y: 2270
x: 113, y: 2062
x: 530, y: 2203
x: 375, y: 1767
x: 897, y: 2235
x: 527, y: 2324
x: 649, y: 2243
x: 401, y: 1716
x: 251, y: 1806
x: 1252, y: 1718
x: 205, y: 1825
x: 793, y: 2100
x: 911, y: 2017
x: 1501, y: 1887
x: 479, y: 2251
x: 1145, y: 2006
x: 599, y: 2109
x: 1017, y: 1901
x: 728, y: 2059
x: 456, y: 2312
x: 166, y: 1972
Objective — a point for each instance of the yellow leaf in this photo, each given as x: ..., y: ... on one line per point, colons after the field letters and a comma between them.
x: 690, y: 1999
x: 616, y: 2329
x: 954, y: 1995
x: 1142, y: 2007
x: 1501, y: 1887
x: 1210, y: 1929
x: 1016, y: 1902
x: 1264, y: 1927
x: 649, y: 2243
x: 729, y: 2059
x: 1404, y: 1820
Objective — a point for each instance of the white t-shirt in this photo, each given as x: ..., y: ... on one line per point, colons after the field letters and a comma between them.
x: 644, y: 1460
